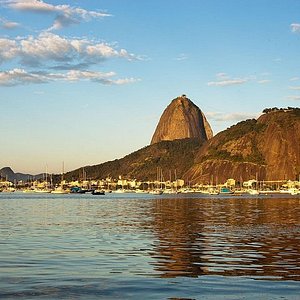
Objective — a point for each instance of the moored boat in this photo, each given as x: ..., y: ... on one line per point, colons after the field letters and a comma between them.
x: 59, y: 190
x: 225, y: 190
x: 156, y: 192
x: 253, y: 192
x: 98, y: 192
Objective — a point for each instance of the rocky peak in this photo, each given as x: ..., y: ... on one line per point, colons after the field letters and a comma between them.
x: 182, y: 119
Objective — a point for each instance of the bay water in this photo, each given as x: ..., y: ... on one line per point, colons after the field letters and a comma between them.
x: 136, y: 246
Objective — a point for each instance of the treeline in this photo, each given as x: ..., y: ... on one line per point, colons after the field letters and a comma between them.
x: 268, y: 110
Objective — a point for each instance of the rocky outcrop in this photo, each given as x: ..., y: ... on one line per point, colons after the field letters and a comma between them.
x: 267, y: 149
x: 182, y: 119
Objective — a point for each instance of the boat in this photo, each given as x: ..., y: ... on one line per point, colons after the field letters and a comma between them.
x: 171, y: 191
x: 59, y: 190
x: 43, y: 191
x: 225, y: 190
x: 213, y: 192
x: 78, y: 190
x: 28, y: 190
x: 156, y: 192
x: 253, y: 192
x: 43, y: 187
x: 120, y: 191
x: 8, y: 190
x: 98, y: 192
x: 294, y: 191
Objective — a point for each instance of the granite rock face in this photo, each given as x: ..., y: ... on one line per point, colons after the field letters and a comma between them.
x: 182, y: 119
x: 265, y: 149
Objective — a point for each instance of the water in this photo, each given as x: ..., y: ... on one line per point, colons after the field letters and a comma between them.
x: 134, y: 246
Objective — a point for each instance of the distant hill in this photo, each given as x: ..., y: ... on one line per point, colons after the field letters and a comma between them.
x: 142, y: 164
x: 182, y: 119
x: 267, y: 148
x: 8, y: 173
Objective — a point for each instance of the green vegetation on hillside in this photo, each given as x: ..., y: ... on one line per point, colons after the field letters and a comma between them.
x: 234, y: 133
x: 142, y: 164
x: 294, y: 110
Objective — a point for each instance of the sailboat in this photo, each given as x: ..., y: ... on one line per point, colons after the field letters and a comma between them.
x: 60, y: 189
x: 158, y: 191
x: 46, y: 188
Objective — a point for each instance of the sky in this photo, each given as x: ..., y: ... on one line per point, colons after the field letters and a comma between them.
x: 84, y: 82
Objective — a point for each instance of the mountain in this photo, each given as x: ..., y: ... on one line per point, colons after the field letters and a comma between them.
x: 267, y: 149
x: 8, y: 173
x: 182, y: 119
x: 142, y: 164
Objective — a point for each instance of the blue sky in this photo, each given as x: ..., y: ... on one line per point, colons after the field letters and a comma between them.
x: 86, y: 81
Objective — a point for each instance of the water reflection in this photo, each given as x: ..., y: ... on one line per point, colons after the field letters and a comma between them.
x: 228, y: 237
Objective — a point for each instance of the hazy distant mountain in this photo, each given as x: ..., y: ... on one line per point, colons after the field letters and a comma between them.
x: 267, y: 148
x: 8, y: 173
x: 182, y: 119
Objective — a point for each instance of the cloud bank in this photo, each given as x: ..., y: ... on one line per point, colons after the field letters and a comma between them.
x: 48, y: 47
x: 294, y: 98
x: 64, y: 15
x: 222, y: 79
x: 20, y: 76
x: 49, y: 51
x: 47, y: 57
x: 221, y: 117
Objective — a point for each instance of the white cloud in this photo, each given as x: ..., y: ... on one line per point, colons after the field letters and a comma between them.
x: 20, y: 77
x: 296, y: 98
x: 294, y: 78
x: 8, y: 49
x: 65, y: 15
x: 227, y: 82
x: 181, y: 56
x: 49, y: 48
x: 30, y: 5
x: 297, y: 88
x: 237, y: 116
x: 222, y: 79
x: 8, y: 24
x: 125, y: 81
x: 264, y: 81
x: 295, y: 27
x: 222, y: 75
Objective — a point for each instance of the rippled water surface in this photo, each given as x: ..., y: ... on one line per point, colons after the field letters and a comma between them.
x: 149, y: 247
